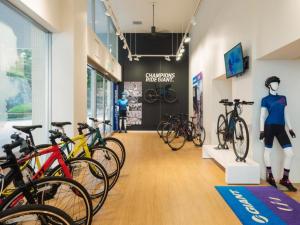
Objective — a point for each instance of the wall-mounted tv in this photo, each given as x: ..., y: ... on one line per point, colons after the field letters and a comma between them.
x: 234, y: 61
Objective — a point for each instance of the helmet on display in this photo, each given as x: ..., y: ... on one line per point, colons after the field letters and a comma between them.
x: 271, y: 80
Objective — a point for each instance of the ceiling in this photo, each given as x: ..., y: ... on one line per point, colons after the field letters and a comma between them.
x: 170, y: 15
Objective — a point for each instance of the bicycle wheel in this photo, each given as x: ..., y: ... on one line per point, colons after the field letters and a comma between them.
x: 176, y: 137
x: 150, y: 96
x: 221, y: 131
x: 110, y: 161
x: 160, y: 127
x: 35, y: 214
x: 117, y: 146
x: 91, y: 175
x: 164, y: 132
x: 60, y: 192
x: 241, y: 140
x: 170, y: 96
x: 199, y: 137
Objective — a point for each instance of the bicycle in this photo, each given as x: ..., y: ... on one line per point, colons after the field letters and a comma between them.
x: 179, y: 132
x: 44, y: 190
x: 105, y: 156
x: 165, y: 93
x: 35, y: 214
x: 86, y: 171
x: 199, y: 133
x: 233, y: 128
x: 110, y: 142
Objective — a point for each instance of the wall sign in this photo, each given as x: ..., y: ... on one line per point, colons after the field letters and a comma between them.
x: 160, y: 77
x: 134, y: 94
x: 198, y: 98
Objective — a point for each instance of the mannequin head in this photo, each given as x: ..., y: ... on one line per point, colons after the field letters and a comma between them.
x: 123, y: 96
x: 274, y: 86
x: 272, y: 83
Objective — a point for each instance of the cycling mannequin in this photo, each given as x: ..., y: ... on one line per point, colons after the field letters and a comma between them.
x: 273, y: 119
x: 122, y: 107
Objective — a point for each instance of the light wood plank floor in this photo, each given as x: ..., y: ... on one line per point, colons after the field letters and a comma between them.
x: 161, y: 187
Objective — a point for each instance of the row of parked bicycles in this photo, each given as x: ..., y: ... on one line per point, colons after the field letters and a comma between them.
x: 175, y: 130
x: 65, y: 182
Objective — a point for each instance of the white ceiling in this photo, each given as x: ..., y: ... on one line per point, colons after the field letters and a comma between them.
x: 170, y: 15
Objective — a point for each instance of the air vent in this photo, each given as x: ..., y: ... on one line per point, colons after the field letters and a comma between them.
x: 137, y: 22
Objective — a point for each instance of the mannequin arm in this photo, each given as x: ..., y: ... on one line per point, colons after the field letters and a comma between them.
x: 287, y: 118
x: 263, y: 117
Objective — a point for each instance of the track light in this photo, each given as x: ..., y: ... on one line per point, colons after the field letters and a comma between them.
x: 121, y: 37
x: 168, y: 58
x: 178, y: 58
x: 187, y: 39
x: 124, y: 46
x: 130, y: 59
x: 107, y: 13
x: 117, y: 33
x: 136, y: 58
x: 182, y: 50
x: 180, y: 54
x: 193, y: 21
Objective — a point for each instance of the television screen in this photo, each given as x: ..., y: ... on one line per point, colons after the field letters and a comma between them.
x: 234, y: 62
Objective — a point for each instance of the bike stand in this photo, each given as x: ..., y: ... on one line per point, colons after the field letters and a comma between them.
x: 235, y: 172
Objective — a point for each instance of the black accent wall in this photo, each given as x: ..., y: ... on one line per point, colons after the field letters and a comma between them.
x: 136, y: 71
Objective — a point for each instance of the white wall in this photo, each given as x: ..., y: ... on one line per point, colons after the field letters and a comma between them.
x: 220, y: 26
x: 46, y: 12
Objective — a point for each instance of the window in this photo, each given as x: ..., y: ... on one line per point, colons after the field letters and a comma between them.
x: 24, y: 73
x: 100, y: 98
x: 103, y: 26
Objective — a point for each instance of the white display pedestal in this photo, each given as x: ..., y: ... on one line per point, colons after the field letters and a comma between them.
x: 235, y: 172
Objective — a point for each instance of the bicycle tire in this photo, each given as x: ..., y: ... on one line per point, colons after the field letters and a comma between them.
x: 97, y: 195
x: 220, y: 132
x: 170, y: 96
x: 150, y: 96
x: 199, y: 137
x: 118, y: 147
x: 174, y: 133
x: 165, y: 130
x: 160, y: 127
x: 45, y: 190
x: 241, y: 155
x: 110, y: 161
x: 48, y: 214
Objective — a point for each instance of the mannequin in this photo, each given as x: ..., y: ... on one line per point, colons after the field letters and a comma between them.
x: 274, y: 117
x: 122, y: 107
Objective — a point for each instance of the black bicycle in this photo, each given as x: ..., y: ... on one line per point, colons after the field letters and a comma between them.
x: 233, y: 129
x: 199, y: 133
x: 166, y: 93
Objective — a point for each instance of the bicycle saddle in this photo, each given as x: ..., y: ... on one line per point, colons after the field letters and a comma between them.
x: 60, y: 124
x: 93, y: 119
x: 27, y: 129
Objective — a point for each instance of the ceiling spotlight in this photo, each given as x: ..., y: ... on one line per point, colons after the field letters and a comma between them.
x: 178, y: 58
x: 117, y: 33
x: 130, y: 59
x: 107, y: 13
x: 124, y: 46
x: 136, y: 58
x: 187, y: 39
x: 168, y: 58
x: 121, y: 37
x: 182, y: 50
x: 180, y: 54
x: 193, y: 21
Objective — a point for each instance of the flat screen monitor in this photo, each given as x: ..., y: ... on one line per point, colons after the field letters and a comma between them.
x: 234, y: 61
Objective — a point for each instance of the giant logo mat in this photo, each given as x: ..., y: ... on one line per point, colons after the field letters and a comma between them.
x: 261, y: 205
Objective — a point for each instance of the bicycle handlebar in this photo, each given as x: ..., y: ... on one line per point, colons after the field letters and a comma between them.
x: 235, y: 102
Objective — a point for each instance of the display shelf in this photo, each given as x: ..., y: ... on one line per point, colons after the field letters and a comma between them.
x: 235, y: 172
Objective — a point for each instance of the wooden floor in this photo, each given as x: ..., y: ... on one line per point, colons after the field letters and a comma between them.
x: 161, y: 187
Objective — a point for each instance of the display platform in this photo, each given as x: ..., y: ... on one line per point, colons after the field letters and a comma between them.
x: 235, y: 172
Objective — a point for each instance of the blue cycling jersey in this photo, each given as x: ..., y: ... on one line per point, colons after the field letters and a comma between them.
x: 122, y: 103
x: 275, y: 105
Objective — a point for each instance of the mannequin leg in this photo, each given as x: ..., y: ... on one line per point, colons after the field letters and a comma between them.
x: 269, y: 175
x: 120, y: 124
x: 288, y: 158
x: 125, y: 125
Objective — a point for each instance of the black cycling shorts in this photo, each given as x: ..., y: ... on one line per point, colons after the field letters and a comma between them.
x: 278, y: 131
x: 122, y: 113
